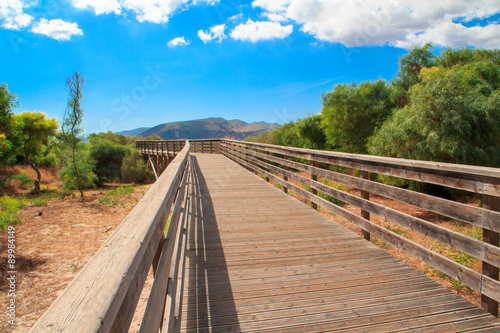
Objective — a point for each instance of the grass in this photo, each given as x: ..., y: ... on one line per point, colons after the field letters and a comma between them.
x: 9, y: 210
x: 113, y: 197
x: 458, y: 286
x: 398, y: 230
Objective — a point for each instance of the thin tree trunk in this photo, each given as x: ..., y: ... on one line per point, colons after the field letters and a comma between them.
x: 38, y: 179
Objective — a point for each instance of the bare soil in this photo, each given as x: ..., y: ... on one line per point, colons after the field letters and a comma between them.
x: 53, y: 243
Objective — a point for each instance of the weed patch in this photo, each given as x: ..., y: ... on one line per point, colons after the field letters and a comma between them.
x: 9, y: 210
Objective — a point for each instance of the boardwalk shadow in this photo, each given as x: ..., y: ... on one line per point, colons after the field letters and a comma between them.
x: 210, y: 304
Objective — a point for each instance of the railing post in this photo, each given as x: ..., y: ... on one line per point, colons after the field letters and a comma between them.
x: 285, y: 178
x: 364, y: 214
x: 490, y: 237
x: 313, y: 190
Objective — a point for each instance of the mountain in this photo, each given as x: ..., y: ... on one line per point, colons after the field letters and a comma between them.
x: 134, y: 132
x: 209, y: 128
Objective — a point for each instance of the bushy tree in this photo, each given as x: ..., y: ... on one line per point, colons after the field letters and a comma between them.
x: 453, y: 115
x: 311, y: 131
x: 410, y: 66
x: 134, y: 169
x: 108, y: 157
x: 33, y: 132
x: 8, y: 101
x: 118, y: 139
x: 352, y: 112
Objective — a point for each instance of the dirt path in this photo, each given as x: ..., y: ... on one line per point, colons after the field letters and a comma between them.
x: 53, y: 243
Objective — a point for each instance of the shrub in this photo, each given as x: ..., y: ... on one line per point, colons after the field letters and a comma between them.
x: 9, y: 208
x: 87, y: 176
x: 108, y: 158
x: 24, y: 180
x: 134, y: 169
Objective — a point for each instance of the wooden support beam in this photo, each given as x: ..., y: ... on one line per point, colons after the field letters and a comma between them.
x: 490, y: 237
x: 313, y: 190
x: 365, y: 214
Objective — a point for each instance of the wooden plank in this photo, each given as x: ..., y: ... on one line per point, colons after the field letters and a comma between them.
x: 474, y: 215
x: 448, y: 266
x: 476, y: 248
x: 250, y: 269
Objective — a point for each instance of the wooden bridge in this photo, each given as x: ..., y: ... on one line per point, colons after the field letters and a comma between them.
x: 233, y: 253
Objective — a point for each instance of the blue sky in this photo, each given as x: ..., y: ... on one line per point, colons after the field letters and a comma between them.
x: 148, y: 62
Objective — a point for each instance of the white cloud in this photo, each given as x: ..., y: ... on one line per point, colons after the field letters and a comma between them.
x: 274, y: 10
x: 154, y: 11
x: 57, y: 29
x: 456, y: 35
x: 179, y: 41
x: 236, y: 17
x: 12, y: 14
x: 99, y: 6
x: 399, y: 23
x: 215, y: 32
x: 256, y: 31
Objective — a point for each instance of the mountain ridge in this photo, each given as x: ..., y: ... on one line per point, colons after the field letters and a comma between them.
x: 207, y: 128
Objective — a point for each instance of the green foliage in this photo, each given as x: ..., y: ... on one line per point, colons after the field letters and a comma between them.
x: 310, y: 130
x: 38, y: 202
x: 118, y: 139
x: 475, y: 232
x: 77, y: 174
x: 452, y: 117
x: 458, y: 286
x: 113, y: 197
x: 9, y: 211
x: 134, y: 169
x: 328, y: 197
x: 8, y: 101
x: 86, y: 177
x: 410, y: 66
x: 288, y: 135
x: 398, y: 230
x: 24, y: 180
x: 108, y: 157
x: 33, y: 133
x: 352, y: 112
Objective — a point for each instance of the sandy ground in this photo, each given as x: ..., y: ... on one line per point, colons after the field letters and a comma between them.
x: 53, y: 243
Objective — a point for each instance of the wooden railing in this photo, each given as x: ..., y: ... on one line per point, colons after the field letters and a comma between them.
x: 104, y: 295
x: 280, y: 164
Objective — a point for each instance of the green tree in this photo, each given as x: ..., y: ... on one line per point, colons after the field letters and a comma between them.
x: 108, y: 157
x: 452, y: 116
x: 118, y: 139
x: 134, y: 169
x: 8, y: 101
x: 352, y: 112
x: 311, y: 131
x: 72, y: 134
x: 34, y: 131
x: 410, y: 66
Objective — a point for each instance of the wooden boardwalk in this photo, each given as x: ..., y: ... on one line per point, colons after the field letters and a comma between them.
x: 260, y: 260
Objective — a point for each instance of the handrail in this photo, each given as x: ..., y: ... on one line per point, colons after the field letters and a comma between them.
x: 104, y: 295
x: 277, y: 162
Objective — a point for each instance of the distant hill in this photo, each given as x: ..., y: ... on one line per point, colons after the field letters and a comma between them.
x: 209, y: 128
x: 134, y: 132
